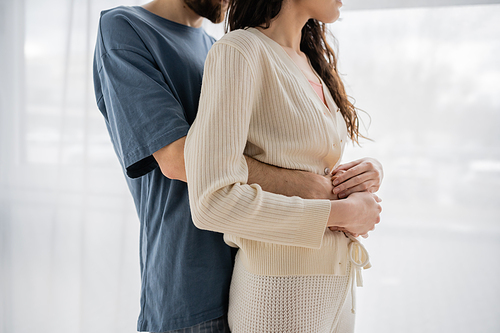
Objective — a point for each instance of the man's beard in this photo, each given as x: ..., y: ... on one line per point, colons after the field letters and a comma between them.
x: 208, y: 9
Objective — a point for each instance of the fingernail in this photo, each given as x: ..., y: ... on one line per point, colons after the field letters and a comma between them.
x: 335, y: 182
x: 342, y: 195
x: 336, y: 190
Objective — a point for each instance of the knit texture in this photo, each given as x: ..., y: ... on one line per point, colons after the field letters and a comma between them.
x: 255, y: 101
x: 272, y: 304
x: 292, y: 274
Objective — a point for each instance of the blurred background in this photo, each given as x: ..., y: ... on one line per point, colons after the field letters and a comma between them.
x: 427, y: 73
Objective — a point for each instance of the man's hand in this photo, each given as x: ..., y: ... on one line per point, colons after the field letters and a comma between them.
x: 365, y: 174
x: 316, y: 186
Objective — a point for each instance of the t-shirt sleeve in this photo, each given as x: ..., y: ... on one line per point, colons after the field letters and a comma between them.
x: 217, y: 173
x: 141, y: 111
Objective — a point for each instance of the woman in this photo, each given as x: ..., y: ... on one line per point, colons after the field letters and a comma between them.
x: 271, y: 91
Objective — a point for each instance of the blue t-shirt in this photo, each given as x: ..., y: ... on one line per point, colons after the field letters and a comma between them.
x: 147, y: 79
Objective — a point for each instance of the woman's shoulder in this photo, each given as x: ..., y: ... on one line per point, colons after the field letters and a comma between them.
x: 245, y: 40
x: 240, y: 35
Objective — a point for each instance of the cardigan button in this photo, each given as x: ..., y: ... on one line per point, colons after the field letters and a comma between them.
x: 327, y: 171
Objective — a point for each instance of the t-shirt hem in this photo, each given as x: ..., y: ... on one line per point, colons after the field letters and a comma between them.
x: 182, y: 323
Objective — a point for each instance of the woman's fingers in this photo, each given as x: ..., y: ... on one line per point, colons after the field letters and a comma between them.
x: 360, y: 175
x: 366, y: 186
x: 343, y: 175
x: 347, y: 166
x: 377, y: 198
x: 362, y: 182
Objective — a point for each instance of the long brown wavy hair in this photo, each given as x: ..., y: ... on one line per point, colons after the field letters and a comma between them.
x: 259, y: 13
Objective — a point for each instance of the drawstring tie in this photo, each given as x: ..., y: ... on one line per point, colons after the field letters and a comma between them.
x: 358, y: 256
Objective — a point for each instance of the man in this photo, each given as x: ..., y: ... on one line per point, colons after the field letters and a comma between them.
x: 148, y: 69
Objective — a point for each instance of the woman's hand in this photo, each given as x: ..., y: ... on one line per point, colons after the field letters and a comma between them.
x: 365, y: 174
x: 357, y: 215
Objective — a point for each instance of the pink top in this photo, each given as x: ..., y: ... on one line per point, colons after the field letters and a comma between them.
x: 318, y: 87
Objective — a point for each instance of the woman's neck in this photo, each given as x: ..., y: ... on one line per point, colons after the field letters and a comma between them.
x: 285, y: 29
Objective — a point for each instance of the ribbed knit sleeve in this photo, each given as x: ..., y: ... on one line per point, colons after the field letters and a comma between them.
x: 217, y: 174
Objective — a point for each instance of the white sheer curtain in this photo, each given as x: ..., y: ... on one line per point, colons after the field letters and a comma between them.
x: 69, y: 229
x: 429, y: 78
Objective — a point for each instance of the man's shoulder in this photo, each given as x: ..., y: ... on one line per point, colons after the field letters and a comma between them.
x: 121, y: 28
x: 130, y: 24
x: 120, y: 18
x: 119, y: 13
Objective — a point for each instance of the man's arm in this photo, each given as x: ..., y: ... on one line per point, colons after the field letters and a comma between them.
x: 171, y: 160
x: 306, y: 185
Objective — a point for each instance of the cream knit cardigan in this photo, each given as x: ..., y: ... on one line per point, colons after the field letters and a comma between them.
x: 256, y: 101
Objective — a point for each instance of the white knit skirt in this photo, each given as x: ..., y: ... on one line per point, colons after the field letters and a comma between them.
x: 296, y: 303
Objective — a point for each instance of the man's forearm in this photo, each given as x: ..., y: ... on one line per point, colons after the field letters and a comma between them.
x: 288, y: 182
x: 273, y: 179
x: 171, y: 160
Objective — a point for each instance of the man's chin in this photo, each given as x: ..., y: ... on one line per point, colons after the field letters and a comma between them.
x: 222, y: 14
x: 220, y: 19
x: 212, y: 10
